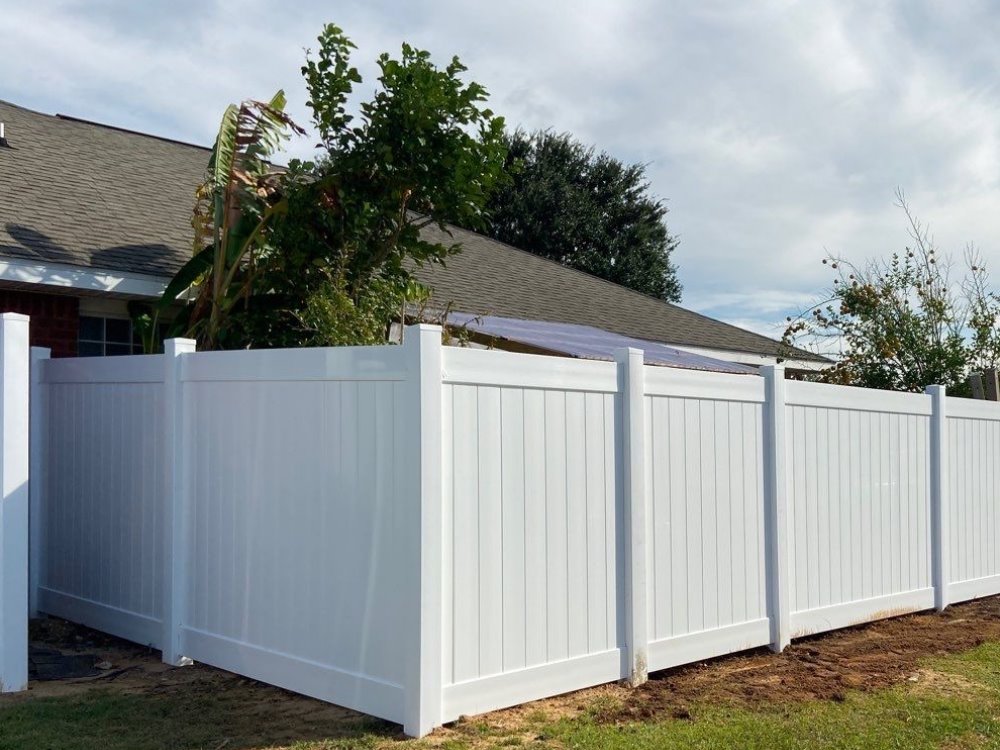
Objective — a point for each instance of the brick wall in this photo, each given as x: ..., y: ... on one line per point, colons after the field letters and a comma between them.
x: 55, y: 318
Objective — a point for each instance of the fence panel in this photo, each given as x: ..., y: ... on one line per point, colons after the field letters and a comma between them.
x: 101, y: 524
x: 298, y: 521
x: 707, y: 577
x: 973, y: 446
x: 532, y: 528
x: 859, y: 505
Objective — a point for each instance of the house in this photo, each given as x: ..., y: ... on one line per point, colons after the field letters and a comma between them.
x: 92, y: 216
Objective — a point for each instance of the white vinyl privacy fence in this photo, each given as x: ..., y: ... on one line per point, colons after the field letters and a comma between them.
x: 422, y: 532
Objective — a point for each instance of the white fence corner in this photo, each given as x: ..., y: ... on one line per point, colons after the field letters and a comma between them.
x: 175, y: 508
x: 776, y: 501
x: 939, y: 495
x: 14, y: 498
x: 422, y: 711
x: 632, y: 388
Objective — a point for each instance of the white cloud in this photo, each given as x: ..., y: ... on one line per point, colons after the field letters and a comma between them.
x: 776, y: 130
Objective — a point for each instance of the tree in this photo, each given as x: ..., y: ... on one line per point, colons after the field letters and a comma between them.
x: 904, y: 323
x: 234, y: 208
x: 585, y: 210
x: 333, y: 241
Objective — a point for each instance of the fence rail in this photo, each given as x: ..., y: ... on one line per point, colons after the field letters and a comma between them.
x: 422, y: 532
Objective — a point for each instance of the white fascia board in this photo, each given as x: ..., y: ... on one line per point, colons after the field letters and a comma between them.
x: 78, y: 277
x: 757, y: 360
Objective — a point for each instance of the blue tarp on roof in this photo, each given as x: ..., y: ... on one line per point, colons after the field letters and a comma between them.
x: 587, y: 342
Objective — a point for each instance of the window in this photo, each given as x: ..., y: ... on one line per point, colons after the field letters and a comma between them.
x: 101, y: 337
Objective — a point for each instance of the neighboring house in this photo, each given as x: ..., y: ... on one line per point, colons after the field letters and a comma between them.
x: 92, y: 216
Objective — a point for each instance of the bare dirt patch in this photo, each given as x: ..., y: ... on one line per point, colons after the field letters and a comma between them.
x: 124, y: 666
x: 932, y: 683
x: 825, y: 667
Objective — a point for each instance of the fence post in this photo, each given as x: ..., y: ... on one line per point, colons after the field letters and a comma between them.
x: 939, y: 495
x: 631, y: 385
x: 423, y: 695
x: 38, y: 404
x: 14, y: 493
x: 175, y: 489
x: 776, y: 501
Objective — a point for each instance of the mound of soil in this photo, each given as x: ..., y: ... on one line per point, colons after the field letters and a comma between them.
x: 823, y: 667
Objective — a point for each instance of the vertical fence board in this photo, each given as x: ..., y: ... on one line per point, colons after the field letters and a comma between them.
x: 557, y: 567
x: 466, y: 534
x: 536, y: 595
x: 490, y: 533
x: 576, y: 526
x: 659, y: 475
x: 512, y: 484
x: 596, y: 519
x: 693, y: 602
x: 673, y: 600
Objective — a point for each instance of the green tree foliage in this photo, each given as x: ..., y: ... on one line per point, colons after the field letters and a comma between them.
x: 331, y: 263
x: 586, y: 210
x: 905, y: 322
x: 234, y: 210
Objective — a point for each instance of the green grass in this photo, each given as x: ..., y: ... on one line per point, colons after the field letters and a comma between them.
x: 955, y: 713
x: 112, y: 720
x: 892, y: 720
x: 960, y: 708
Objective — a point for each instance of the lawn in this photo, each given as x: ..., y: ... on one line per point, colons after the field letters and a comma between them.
x: 933, y: 699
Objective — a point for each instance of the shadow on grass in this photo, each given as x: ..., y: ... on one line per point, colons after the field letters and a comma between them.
x: 113, y: 720
x: 135, y: 702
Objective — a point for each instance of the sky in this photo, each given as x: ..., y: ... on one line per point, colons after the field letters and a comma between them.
x: 775, y: 131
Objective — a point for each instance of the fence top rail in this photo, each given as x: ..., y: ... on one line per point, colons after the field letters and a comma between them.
x: 129, y: 368
x: 719, y: 386
x: 496, y: 368
x: 856, y: 399
x: 969, y: 408
x: 378, y: 363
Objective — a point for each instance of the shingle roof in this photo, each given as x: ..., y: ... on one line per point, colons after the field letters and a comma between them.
x: 492, y: 278
x: 90, y: 195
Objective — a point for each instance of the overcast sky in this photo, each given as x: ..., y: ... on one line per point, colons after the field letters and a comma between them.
x: 776, y: 131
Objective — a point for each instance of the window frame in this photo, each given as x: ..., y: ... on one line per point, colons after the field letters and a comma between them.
x: 133, y: 344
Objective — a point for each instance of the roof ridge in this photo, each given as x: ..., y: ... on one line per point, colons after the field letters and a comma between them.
x: 94, y: 123
x: 621, y: 288
x: 25, y: 109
